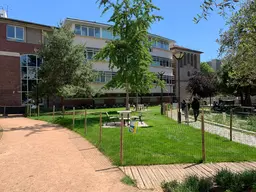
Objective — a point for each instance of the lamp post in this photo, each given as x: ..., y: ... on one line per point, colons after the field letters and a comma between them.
x: 178, y: 56
x: 161, y: 98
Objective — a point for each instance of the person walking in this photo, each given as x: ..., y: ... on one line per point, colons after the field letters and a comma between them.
x: 195, y: 107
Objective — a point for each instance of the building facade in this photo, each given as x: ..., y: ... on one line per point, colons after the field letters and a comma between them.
x: 19, y: 64
x: 215, y: 64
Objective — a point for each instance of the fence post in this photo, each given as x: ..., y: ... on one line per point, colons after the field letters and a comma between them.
x: 30, y: 110
x: 171, y: 110
x: 85, y: 121
x: 38, y: 110
x: 63, y: 110
x: 203, y: 139
x: 74, y: 113
x: 231, y: 124
x: 100, y: 135
x: 121, y: 139
x: 53, y: 111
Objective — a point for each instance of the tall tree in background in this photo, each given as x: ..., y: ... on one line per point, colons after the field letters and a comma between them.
x: 63, y: 72
x: 205, y: 68
x: 238, y: 45
x: 130, y: 53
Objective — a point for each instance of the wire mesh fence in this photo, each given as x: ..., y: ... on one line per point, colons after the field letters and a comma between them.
x: 147, y: 137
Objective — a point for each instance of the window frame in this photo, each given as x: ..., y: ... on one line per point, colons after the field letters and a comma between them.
x: 15, y: 33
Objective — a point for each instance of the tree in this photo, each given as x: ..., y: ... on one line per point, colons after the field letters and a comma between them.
x: 218, y: 5
x: 130, y: 53
x: 202, y: 85
x: 205, y: 68
x: 63, y: 72
x: 238, y: 47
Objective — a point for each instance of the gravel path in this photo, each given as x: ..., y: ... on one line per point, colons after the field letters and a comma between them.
x: 236, y: 136
x: 36, y: 156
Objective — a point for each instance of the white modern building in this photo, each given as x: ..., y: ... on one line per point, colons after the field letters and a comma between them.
x: 95, y: 35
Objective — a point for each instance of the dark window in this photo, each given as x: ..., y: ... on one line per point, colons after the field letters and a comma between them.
x: 184, y: 59
x: 188, y: 74
x: 191, y: 59
x: 195, y: 61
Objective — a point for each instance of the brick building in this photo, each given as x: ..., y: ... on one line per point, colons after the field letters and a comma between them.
x: 18, y: 42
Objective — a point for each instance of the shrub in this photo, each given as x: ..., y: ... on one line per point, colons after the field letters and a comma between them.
x: 224, y: 179
x: 169, y: 186
x: 248, y: 179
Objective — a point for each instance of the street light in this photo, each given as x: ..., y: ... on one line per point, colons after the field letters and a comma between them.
x: 178, y: 56
x: 161, y: 99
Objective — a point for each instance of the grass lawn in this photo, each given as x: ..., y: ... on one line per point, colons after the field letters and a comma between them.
x: 163, y: 142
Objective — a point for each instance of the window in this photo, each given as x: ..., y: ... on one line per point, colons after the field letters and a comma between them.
x: 90, y: 53
x: 184, y: 59
x: 191, y: 60
x: 106, y: 34
x: 104, y: 76
x: 84, y: 31
x: 78, y: 29
x: 195, y: 61
x: 15, y: 33
x: 91, y: 32
x: 97, y: 32
x: 160, y: 61
x: 188, y: 74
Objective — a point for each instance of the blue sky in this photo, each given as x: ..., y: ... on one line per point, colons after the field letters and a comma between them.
x: 177, y: 24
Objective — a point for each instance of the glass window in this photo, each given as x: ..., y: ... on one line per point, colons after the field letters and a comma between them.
x: 23, y: 60
x: 39, y: 62
x: 78, y: 29
x: 97, y: 32
x: 24, y: 72
x: 31, y: 60
x: 102, y: 77
x: 89, y: 55
x: 84, y: 31
x: 24, y: 97
x: 108, y: 76
x: 24, y: 85
x: 106, y: 34
x: 91, y: 32
x: 19, y: 33
x: 31, y: 73
x: 31, y: 85
x: 10, y: 31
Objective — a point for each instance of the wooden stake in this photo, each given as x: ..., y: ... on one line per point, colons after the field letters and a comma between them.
x: 171, y: 110
x: 63, y: 110
x: 100, y: 136
x: 121, y: 139
x: 74, y: 113
x: 203, y: 139
x: 85, y: 122
x: 38, y: 110
x: 231, y: 124
x: 53, y: 111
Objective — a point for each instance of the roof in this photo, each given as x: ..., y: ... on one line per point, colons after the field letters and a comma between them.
x: 185, y: 49
x: 25, y: 22
x: 108, y: 25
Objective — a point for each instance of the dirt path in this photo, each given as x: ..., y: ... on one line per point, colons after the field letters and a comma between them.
x: 36, y: 156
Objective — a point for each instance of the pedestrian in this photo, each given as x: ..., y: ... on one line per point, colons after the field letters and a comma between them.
x: 183, y: 105
x: 195, y: 107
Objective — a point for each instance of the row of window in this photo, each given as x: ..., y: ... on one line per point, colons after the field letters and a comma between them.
x: 15, y: 33
x: 159, y: 44
x: 106, y: 76
x: 160, y: 61
x: 90, y: 53
x: 190, y: 59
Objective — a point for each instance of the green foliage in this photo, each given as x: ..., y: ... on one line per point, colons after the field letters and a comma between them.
x: 203, y: 85
x: 205, y: 68
x: 63, y: 72
x: 220, y: 6
x: 238, y: 48
x: 128, y: 181
x: 130, y: 53
x: 191, y: 184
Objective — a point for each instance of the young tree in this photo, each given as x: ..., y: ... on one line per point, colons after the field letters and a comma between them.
x: 64, y: 72
x: 205, y: 68
x: 130, y: 53
x: 203, y: 85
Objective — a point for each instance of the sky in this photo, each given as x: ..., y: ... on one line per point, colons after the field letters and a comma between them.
x: 177, y: 23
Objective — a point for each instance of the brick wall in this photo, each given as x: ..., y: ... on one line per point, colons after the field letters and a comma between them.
x: 10, y: 81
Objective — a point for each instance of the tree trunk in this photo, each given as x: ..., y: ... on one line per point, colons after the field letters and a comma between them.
x: 247, y: 99
x: 137, y: 101
x: 127, y: 97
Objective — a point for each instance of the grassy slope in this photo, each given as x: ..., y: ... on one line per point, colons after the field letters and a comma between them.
x: 164, y: 142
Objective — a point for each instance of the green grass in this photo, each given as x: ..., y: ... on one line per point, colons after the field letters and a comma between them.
x: 163, y: 142
x: 128, y: 181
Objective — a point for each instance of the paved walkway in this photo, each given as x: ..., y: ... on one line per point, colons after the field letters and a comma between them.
x: 150, y: 177
x: 36, y: 156
x: 237, y: 136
